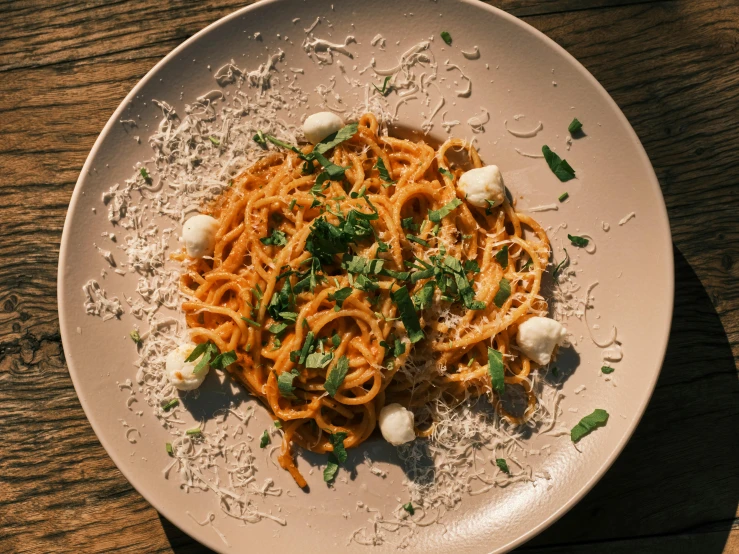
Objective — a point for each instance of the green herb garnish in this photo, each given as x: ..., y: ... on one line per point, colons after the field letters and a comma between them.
x: 384, y: 90
x: 561, y: 265
x: 417, y: 240
x: 446, y: 37
x: 278, y: 424
x: 504, y: 291
x: 409, y: 508
x: 336, y: 376
x: 277, y: 238
x: 574, y: 127
x: 145, y: 174
x: 135, y: 337
x: 337, y: 441
x: 169, y: 449
x: 564, y: 196
x: 170, y: 404
x: 332, y: 467
x: 252, y: 322
x: 588, y: 424
x: 384, y: 173
x: 578, y: 241
x: 496, y: 369
x: 446, y: 172
x: 339, y: 296
x: 318, y: 360
x: 194, y: 432
x: 502, y: 257
x: 214, y: 140
x: 207, y: 350
x: 222, y: 361
x: 559, y: 167
x: 277, y: 328
x: 422, y: 299
x: 408, y: 314
x: 501, y: 463
x: 437, y: 215
x: 285, y: 383
x: 607, y: 369
x: 265, y: 440
x: 342, y: 135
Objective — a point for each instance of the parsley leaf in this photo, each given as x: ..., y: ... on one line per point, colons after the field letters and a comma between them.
x: 502, y: 257
x: 285, y: 383
x: 265, y: 440
x: 277, y: 328
x: 135, y: 336
x: 417, y: 240
x: 574, y: 127
x: 446, y: 173
x: 384, y: 90
x: 559, y: 167
x: 446, y: 37
x: 337, y: 441
x: 561, y: 265
x: 503, y: 292
x: 578, y: 241
x: 408, y: 314
x: 339, y: 296
x: 384, y: 173
x: 306, y: 347
x: 214, y: 140
x: 564, y: 196
x: 334, y: 171
x: 251, y: 322
x: 145, y: 174
x: 334, y: 139
x: 409, y: 508
x: 422, y: 299
x: 588, y: 424
x: 503, y: 465
x: 607, y: 369
x: 407, y: 223
x: 277, y: 238
x: 336, y: 376
x: 332, y: 467
x: 318, y: 360
x: 496, y: 369
x: 437, y: 215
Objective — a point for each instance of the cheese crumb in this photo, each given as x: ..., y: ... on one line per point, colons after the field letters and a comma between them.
x: 181, y: 373
x: 538, y: 336
x: 482, y: 186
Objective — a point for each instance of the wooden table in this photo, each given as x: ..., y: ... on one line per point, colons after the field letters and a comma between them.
x: 672, y: 67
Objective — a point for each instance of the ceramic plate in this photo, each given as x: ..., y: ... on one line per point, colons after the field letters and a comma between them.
x: 498, y: 97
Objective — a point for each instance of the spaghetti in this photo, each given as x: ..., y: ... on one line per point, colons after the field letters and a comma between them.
x: 349, y: 276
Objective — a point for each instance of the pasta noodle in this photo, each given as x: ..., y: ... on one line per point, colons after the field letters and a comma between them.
x: 305, y: 276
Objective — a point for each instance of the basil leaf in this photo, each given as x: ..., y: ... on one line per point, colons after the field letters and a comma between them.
x: 317, y: 360
x: 285, y: 383
x: 332, y: 467
x: 446, y: 37
x: 342, y: 135
x: 408, y: 314
x: 336, y: 376
x: 337, y: 441
x: 501, y: 463
x: 502, y: 257
x: 559, y: 167
x: 504, y: 291
x: 222, y: 361
x: 422, y: 299
x: 277, y: 238
x: 437, y: 215
x: 580, y: 242
x: 574, y: 127
x: 265, y: 440
x: 382, y: 170
x: 588, y: 424
x: 607, y: 369
x: 496, y: 369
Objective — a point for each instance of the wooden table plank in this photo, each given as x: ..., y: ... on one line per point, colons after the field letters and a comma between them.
x: 672, y: 66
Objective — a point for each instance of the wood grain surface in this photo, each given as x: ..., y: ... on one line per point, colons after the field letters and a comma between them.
x: 672, y: 67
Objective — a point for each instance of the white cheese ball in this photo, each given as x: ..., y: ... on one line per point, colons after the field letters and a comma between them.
x: 199, y: 234
x: 320, y: 125
x: 538, y: 336
x: 482, y: 184
x: 181, y: 373
x: 396, y: 424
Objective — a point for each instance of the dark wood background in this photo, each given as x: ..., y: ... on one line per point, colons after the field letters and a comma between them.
x: 672, y: 67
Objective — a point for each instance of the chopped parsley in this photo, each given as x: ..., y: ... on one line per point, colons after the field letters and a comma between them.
x: 329, y: 472
x: 135, y: 336
x: 437, y: 215
x: 339, y: 296
x: 277, y: 328
x: 564, y: 196
x: 342, y: 135
x: 446, y: 173
x: 502, y: 257
x: 408, y: 314
x: 222, y: 361
x: 277, y: 238
x: 504, y: 291
x: 422, y: 299
x: 207, y: 350
x: 607, y: 369
x: 214, y: 140
x: 384, y: 90
x: 278, y: 424
x: 318, y: 360
x: 501, y: 463
x: 580, y: 242
x: 338, y: 456
x: 588, y: 424
x: 409, y: 508
x: 417, y: 240
x: 285, y: 383
x: 574, y: 127
x: 169, y: 449
x: 496, y: 369
x: 384, y: 173
x: 561, y: 265
x: 251, y: 322
x: 194, y: 432
x: 336, y: 376
x: 559, y: 167
x: 265, y: 440
x: 145, y: 174
x: 259, y: 139
x: 446, y: 37
x: 407, y: 223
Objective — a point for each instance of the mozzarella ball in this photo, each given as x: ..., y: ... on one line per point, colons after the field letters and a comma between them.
x: 320, y: 125
x: 199, y: 234
x: 396, y: 424
x: 483, y: 184
x: 181, y: 373
x: 538, y: 336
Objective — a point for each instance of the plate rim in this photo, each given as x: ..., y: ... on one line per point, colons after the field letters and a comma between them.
x: 663, y: 224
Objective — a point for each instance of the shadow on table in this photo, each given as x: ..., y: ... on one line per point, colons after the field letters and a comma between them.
x: 678, y: 475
